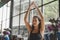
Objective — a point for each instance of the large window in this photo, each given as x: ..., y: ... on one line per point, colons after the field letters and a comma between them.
x: 16, y: 7
x: 51, y: 10
x: 4, y: 16
x: 16, y: 21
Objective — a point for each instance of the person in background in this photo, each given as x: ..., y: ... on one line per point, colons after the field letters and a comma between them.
x: 6, y: 35
x: 9, y: 31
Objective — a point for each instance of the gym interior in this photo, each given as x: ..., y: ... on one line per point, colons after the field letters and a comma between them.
x: 12, y: 18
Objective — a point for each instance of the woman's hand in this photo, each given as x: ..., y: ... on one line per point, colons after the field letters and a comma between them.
x: 31, y: 6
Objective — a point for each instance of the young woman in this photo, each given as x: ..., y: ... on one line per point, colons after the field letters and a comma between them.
x: 37, y: 29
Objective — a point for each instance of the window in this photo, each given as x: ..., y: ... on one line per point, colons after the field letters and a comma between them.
x: 7, y: 23
x: 30, y: 16
x: 16, y: 21
x: 0, y: 14
x: 8, y: 12
x: 0, y: 29
x: 26, y: 5
x: 15, y: 30
x: 38, y: 2
x: 22, y: 8
x: 22, y: 19
x: 3, y: 25
x: 46, y: 1
x: 5, y: 12
x: 51, y: 11
x: 23, y: 31
x: 16, y: 7
x: 4, y: 16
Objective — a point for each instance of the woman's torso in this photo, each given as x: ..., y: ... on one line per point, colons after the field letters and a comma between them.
x: 34, y: 35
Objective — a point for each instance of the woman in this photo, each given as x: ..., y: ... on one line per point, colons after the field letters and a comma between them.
x: 37, y: 29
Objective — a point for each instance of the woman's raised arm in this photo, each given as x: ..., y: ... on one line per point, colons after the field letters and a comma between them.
x: 42, y: 21
x: 26, y: 16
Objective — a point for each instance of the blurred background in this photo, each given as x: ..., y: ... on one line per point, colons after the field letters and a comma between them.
x: 12, y: 16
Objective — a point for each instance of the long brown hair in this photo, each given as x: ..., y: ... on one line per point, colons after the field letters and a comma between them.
x: 39, y: 25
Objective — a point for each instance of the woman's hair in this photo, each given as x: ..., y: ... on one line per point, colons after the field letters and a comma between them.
x: 38, y: 24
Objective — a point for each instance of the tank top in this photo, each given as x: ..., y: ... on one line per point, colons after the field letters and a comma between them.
x: 35, y: 36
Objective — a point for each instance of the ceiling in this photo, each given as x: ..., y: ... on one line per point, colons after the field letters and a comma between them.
x: 3, y: 2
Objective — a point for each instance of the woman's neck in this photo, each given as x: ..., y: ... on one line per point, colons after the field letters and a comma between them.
x: 36, y: 27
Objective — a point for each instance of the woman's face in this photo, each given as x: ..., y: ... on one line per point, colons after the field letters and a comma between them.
x: 35, y: 22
